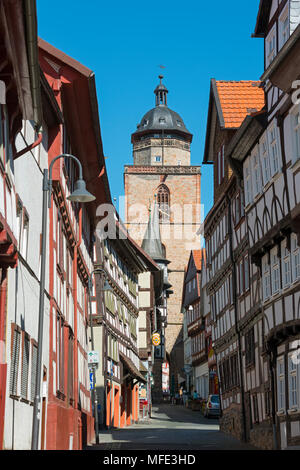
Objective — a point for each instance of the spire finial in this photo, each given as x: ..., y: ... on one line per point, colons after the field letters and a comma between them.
x: 161, y: 93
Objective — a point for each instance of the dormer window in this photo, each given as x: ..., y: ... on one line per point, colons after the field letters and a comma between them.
x: 179, y: 123
x: 162, y: 120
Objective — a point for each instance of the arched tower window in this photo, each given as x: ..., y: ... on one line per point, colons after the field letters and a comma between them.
x: 163, y: 201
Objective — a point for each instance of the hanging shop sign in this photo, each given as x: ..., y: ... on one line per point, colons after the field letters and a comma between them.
x: 156, y: 339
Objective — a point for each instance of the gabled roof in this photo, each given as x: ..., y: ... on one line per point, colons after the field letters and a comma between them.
x: 78, y: 98
x: 237, y: 99
x: 230, y: 102
x: 198, y: 258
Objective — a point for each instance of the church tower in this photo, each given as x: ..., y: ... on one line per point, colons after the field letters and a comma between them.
x: 162, y: 171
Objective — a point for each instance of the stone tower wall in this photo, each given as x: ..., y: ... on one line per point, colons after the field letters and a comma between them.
x: 179, y: 237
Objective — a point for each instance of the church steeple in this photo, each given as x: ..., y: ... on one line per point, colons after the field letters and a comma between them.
x: 152, y: 242
x: 161, y: 93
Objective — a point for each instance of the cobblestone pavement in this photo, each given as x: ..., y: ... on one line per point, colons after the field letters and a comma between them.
x: 171, y: 427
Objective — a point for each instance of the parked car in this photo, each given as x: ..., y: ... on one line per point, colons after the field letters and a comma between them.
x: 212, y: 406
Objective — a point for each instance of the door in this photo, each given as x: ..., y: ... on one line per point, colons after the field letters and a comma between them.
x: 116, y: 407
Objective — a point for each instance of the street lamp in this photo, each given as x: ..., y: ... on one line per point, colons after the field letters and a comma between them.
x: 106, y: 288
x: 80, y: 194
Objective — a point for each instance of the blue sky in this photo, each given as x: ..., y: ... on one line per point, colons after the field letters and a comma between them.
x: 125, y: 42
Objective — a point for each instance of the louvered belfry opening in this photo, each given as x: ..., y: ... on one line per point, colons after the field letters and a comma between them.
x: 163, y: 201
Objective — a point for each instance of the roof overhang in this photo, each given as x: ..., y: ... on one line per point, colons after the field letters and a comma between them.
x: 262, y: 20
x: 214, y: 112
x: 138, y: 134
x: 81, y: 116
x: 132, y: 369
x: 19, y: 66
x: 285, y: 68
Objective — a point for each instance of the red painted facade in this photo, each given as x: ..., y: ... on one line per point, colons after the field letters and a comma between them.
x: 70, y: 424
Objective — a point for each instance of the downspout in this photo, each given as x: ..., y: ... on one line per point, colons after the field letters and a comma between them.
x: 234, y: 287
x: 75, y: 315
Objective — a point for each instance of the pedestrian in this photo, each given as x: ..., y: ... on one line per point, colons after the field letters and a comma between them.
x: 195, y: 395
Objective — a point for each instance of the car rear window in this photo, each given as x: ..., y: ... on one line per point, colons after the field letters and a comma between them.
x: 215, y: 398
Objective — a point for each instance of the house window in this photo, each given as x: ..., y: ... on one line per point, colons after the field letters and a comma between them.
x: 293, y: 371
x: 246, y: 270
x: 296, y: 135
x: 60, y: 353
x: 25, y: 366
x: 24, y: 236
x: 257, y: 175
x: 275, y: 272
x: 15, y: 356
x: 241, y: 276
x: 157, y: 158
x: 248, y: 189
x: 280, y: 384
x: 163, y: 199
x: 265, y: 160
x: 250, y: 348
x: 220, y: 165
x: 295, y: 258
x: 286, y: 265
x: 274, y: 149
x: 284, y: 28
x: 266, y: 278
x: 271, y: 47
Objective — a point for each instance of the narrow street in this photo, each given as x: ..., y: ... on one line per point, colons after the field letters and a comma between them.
x: 171, y: 427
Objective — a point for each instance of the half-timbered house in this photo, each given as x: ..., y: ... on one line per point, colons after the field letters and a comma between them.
x: 195, y: 324
x: 20, y: 110
x: 227, y: 259
x: 116, y: 328
x: 265, y: 156
x: 71, y: 94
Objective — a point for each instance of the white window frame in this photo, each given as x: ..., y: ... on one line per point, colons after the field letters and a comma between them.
x: 281, y: 385
x: 275, y: 271
x: 286, y: 265
x: 293, y: 382
x: 248, y: 183
x: 257, y: 183
x: 264, y: 152
x: 246, y: 273
x: 295, y: 131
x: 274, y: 149
x: 266, y: 275
x: 270, y: 53
x: 284, y: 29
x: 295, y: 251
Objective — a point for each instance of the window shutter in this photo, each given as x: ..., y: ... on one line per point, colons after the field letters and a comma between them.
x: 25, y: 367
x: 15, y: 362
x: 33, y: 371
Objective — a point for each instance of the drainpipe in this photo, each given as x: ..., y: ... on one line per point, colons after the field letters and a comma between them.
x: 76, y: 391
x: 234, y: 287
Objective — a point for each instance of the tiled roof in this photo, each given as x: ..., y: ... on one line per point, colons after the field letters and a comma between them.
x: 238, y: 99
x: 197, y: 255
